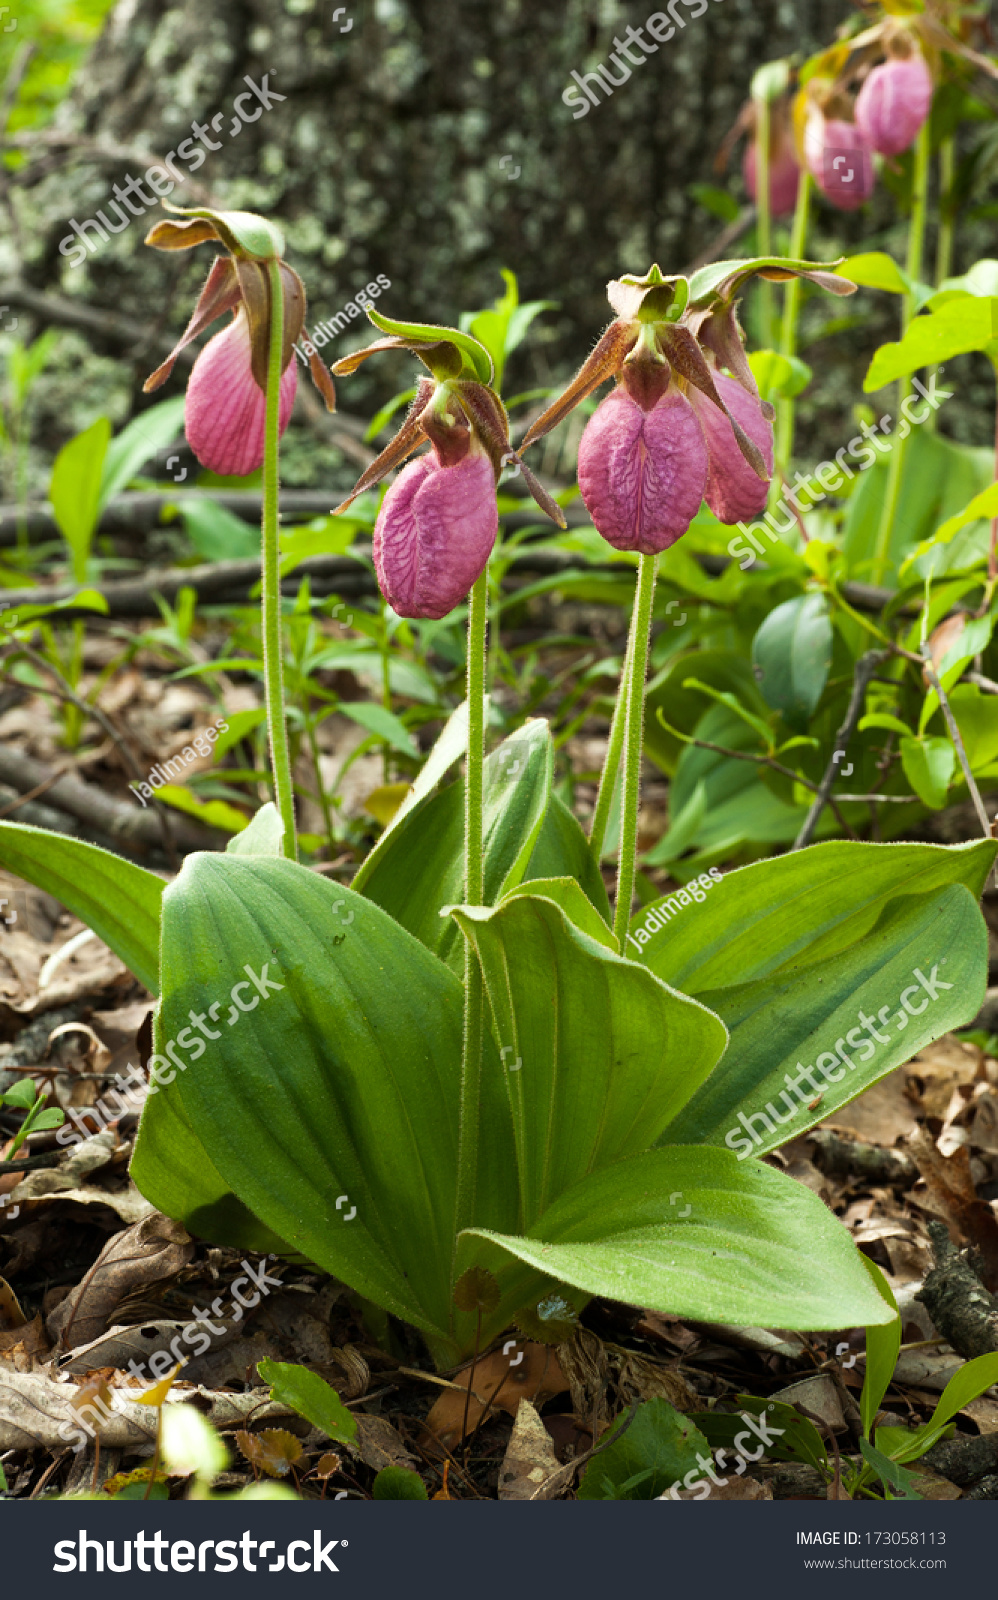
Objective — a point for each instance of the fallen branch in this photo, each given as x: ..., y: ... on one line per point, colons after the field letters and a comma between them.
x: 956, y: 1299
x: 119, y: 820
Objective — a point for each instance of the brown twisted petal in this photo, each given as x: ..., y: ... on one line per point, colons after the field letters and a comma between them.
x: 182, y: 235
x: 491, y: 421
x: 719, y: 333
x: 418, y: 347
x: 220, y: 294
x: 687, y: 359
x: 604, y: 362
x: 254, y: 283
x: 395, y: 452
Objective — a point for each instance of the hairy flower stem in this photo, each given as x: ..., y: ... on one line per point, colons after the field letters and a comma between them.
x: 634, y: 688
x: 474, y: 895
x: 788, y: 333
x: 916, y: 246
x: 611, y: 764
x: 764, y: 229
x: 273, y: 659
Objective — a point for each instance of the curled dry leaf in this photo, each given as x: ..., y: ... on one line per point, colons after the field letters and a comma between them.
x: 142, y: 1255
x: 502, y: 1379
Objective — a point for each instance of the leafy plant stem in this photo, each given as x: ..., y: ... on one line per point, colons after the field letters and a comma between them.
x: 611, y: 765
x: 633, y: 686
x: 954, y: 733
x: 273, y: 663
x: 474, y: 893
x: 764, y: 230
x: 791, y: 310
x: 916, y: 249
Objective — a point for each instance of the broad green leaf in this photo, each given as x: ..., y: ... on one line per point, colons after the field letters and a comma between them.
x: 139, y: 440
x: 75, y: 491
x: 809, y: 1039
x: 756, y: 1249
x: 682, y: 830
x: 449, y: 747
x: 420, y: 869
x: 562, y: 849
x: 724, y: 697
x: 384, y: 724
x: 799, y: 1439
x: 331, y: 1113
x: 939, y: 479
x: 929, y: 765
x: 883, y: 1343
x: 311, y: 1396
x: 659, y: 1447
x: 598, y: 1055
x: 263, y: 835
x: 961, y: 325
x: 779, y: 377
x: 241, y: 725
x: 216, y: 533
x: 724, y: 280
x: 474, y: 354
x: 792, y: 654
x: 891, y: 1475
x: 966, y: 1385
x: 984, y: 504
x: 571, y: 898
x: 881, y: 719
x: 874, y: 269
x: 119, y: 900
x: 172, y: 1169
x: 796, y: 910
x: 976, y: 716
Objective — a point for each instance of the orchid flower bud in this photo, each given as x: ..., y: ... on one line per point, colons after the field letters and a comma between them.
x: 894, y: 102
x: 839, y: 159
x: 438, y: 522
x: 784, y: 178
x: 226, y: 406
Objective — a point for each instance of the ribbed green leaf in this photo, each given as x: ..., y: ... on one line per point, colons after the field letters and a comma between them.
x: 119, y: 900
x: 805, y: 1041
x: 420, y: 867
x: 598, y: 1055
x: 755, y: 1247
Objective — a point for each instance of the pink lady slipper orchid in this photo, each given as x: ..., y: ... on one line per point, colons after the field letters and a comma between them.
x: 226, y: 392
x: 839, y: 159
x: 894, y: 102
x: 438, y: 522
x: 685, y: 422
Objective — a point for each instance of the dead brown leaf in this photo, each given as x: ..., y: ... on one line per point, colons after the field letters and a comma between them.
x: 530, y: 1459
x: 954, y: 1197
x: 138, y: 1257
x: 26, y: 1341
x: 536, y: 1376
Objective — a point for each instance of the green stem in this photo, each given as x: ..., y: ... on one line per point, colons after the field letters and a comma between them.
x: 611, y: 765
x: 474, y: 895
x: 916, y: 246
x: 791, y: 311
x: 634, y: 688
x: 764, y: 232
x: 273, y: 660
